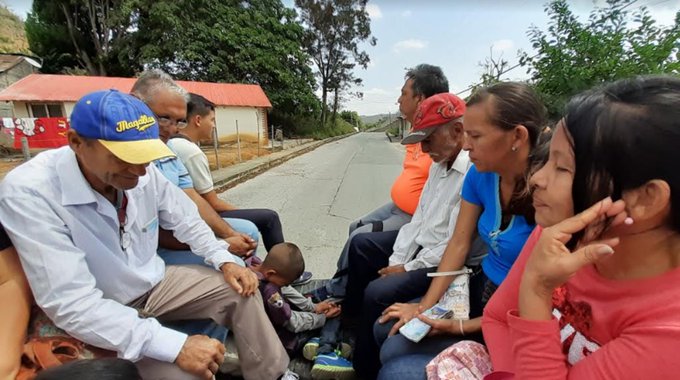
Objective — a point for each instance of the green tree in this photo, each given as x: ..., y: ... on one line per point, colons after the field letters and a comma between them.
x: 353, y: 118
x: 254, y: 41
x: 616, y: 41
x: 80, y: 35
x: 250, y: 41
x: 334, y: 30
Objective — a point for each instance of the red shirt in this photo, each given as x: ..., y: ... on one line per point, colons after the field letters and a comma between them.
x: 601, y: 328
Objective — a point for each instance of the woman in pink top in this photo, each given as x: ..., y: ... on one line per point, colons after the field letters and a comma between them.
x: 595, y: 296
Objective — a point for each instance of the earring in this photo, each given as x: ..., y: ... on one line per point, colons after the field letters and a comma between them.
x: 514, y: 149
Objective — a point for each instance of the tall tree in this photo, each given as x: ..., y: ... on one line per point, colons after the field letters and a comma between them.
x: 335, y: 28
x: 253, y: 41
x: 243, y: 41
x: 616, y: 41
x: 79, y: 34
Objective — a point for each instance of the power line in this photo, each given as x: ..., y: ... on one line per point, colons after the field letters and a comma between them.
x: 499, y: 74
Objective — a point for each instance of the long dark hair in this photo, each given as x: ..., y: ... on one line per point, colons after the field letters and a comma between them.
x: 513, y: 104
x: 625, y: 134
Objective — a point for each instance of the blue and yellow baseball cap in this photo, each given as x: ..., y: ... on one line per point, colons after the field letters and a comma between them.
x: 122, y: 123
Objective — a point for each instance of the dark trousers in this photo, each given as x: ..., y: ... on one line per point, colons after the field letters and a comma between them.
x: 267, y: 221
x: 368, y: 253
x: 330, y: 336
x: 368, y: 294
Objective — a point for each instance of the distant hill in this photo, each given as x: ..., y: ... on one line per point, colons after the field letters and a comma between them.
x: 12, y: 34
x: 383, y: 117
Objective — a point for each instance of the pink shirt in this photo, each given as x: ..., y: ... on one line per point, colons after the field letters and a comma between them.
x: 601, y: 329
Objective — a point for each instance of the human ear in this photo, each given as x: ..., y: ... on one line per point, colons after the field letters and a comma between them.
x: 269, y: 273
x: 649, y: 204
x: 521, y: 135
x: 74, y: 140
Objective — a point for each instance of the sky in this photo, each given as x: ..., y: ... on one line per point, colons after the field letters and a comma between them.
x: 454, y: 34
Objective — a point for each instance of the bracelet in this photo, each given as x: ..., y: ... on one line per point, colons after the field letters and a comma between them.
x: 460, y: 326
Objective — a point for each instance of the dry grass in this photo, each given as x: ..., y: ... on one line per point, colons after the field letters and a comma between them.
x: 7, y: 164
x: 12, y: 34
x: 228, y: 154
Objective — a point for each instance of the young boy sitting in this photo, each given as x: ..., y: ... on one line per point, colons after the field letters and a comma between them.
x: 283, y: 265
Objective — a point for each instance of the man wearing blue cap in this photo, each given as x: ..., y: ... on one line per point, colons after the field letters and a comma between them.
x: 85, y: 220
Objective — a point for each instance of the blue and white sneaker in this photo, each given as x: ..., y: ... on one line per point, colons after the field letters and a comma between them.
x: 311, y: 347
x: 332, y: 367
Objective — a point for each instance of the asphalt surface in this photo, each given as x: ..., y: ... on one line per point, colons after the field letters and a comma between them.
x: 319, y: 193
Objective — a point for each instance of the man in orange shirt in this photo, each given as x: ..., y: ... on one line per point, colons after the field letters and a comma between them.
x: 421, y: 82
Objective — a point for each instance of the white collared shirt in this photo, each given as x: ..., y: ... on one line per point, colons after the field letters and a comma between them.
x: 435, y: 218
x: 68, y: 239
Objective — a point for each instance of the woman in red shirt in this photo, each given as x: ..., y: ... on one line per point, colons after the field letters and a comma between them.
x: 594, y: 296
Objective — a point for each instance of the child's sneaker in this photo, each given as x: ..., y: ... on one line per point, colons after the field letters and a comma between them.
x: 332, y: 366
x: 312, y: 345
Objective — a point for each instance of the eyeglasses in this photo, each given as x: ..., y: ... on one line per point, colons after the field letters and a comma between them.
x: 166, y: 121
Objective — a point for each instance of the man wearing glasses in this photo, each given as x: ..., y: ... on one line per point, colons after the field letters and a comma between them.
x: 167, y: 101
x: 85, y: 220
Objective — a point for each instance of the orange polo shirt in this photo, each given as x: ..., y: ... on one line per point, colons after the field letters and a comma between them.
x: 408, y: 186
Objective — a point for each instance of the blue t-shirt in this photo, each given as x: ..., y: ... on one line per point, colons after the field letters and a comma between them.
x: 174, y: 170
x: 482, y: 189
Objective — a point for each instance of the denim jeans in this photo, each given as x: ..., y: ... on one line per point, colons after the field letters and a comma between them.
x: 244, y: 226
x: 396, y: 347
x: 410, y: 367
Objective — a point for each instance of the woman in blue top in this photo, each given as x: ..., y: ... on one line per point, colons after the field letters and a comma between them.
x: 502, y: 125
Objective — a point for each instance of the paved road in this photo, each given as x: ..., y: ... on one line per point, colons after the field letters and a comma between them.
x: 319, y: 193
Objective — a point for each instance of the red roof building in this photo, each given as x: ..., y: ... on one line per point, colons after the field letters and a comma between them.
x: 43, y: 95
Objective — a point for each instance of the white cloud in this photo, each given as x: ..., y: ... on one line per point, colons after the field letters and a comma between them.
x: 503, y: 46
x: 665, y: 17
x: 374, y: 11
x: 410, y: 44
x: 406, y: 14
x: 377, y: 91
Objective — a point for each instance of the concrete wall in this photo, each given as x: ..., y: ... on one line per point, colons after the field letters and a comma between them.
x: 68, y: 108
x: 21, y: 110
x: 15, y: 73
x: 249, y: 120
x: 9, y: 77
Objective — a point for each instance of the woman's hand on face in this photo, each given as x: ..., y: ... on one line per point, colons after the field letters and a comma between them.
x: 551, y: 263
x: 403, y: 312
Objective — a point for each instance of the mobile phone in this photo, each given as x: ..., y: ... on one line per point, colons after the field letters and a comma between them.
x: 415, y: 329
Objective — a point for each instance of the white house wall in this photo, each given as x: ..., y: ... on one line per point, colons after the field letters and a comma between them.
x: 20, y: 110
x: 68, y: 108
x: 248, y: 120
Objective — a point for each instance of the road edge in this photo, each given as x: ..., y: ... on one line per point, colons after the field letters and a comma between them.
x: 240, y: 176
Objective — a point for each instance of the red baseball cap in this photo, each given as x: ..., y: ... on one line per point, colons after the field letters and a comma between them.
x: 433, y: 112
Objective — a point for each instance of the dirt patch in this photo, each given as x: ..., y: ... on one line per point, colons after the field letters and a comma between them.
x: 229, y: 154
x: 7, y: 164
